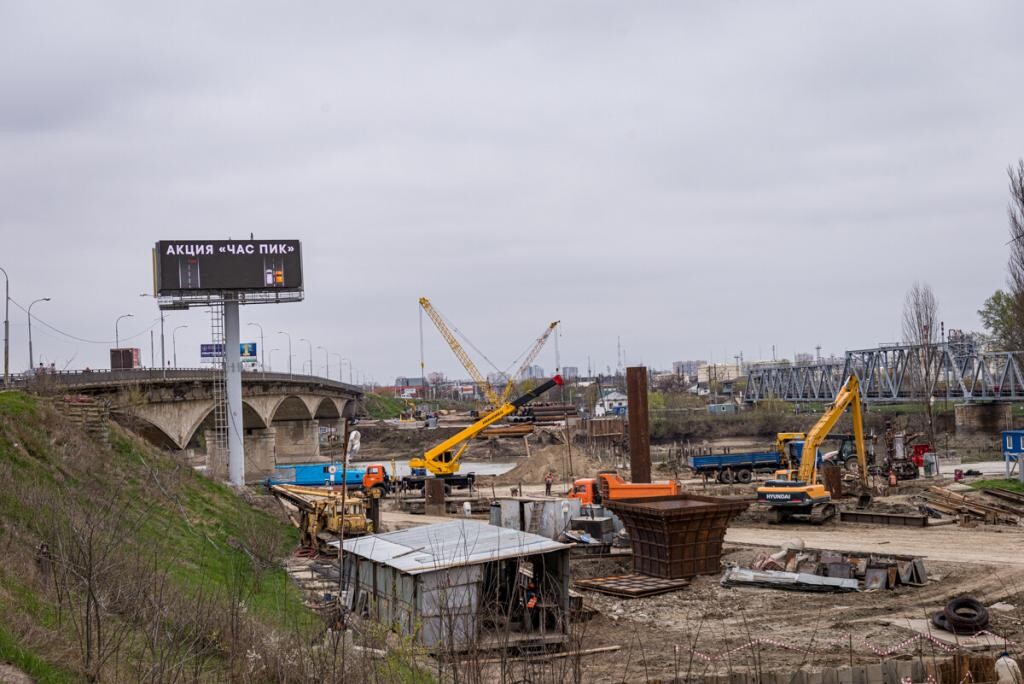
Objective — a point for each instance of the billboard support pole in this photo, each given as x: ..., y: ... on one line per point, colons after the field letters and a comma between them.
x: 233, y: 391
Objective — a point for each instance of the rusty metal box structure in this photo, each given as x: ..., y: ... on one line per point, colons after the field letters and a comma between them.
x: 679, y: 536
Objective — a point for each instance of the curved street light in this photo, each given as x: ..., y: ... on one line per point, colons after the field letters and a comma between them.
x: 263, y: 365
x: 282, y: 332
x: 327, y: 362
x: 303, y: 339
x: 272, y: 357
x: 174, y: 344
x: 29, y: 311
x: 117, y: 333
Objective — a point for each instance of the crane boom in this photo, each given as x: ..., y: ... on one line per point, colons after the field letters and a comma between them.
x: 530, y: 356
x: 463, y: 357
x: 441, y: 461
x: 848, y: 396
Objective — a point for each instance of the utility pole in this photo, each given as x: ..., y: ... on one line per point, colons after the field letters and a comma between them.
x: 7, y: 328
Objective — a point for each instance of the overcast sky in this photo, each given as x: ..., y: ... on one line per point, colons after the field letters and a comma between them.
x: 700, y: 179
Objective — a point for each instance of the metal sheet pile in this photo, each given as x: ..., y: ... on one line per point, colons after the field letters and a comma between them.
x: 796, y: 569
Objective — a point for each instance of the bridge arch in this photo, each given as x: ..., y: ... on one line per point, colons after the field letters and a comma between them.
x: 291, y: 407
x: 251, y: 420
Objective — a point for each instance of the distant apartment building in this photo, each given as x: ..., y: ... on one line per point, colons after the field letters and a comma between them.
x: 687, y: 368
x: 570, y: 372
x: 533, y: 373
x: 407, y: 388
x: 720, y: 372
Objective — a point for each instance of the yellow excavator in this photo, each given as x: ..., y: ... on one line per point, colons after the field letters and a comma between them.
x: 443, y: 462
x: 797, y: 494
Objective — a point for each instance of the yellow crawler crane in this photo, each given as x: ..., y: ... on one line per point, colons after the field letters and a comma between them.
x: 797, y: 493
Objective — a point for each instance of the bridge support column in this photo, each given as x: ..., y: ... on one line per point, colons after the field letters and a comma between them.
x: 233, y: 392
x: 260, y: 454
x: 298, y: 441
x: 989, y: 418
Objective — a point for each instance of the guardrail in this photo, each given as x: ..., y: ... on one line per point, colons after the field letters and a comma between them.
x: 117, y: 377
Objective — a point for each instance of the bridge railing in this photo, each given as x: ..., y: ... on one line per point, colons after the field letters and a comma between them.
x: 85, y: 378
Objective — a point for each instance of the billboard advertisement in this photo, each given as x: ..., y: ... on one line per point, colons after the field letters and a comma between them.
x: 125, y: 358
x: 246, y: 350
x: 183, y: 266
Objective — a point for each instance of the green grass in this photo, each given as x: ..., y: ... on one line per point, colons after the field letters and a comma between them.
x: 380, y: 407
x: 1010, y: 485
x: 31, y: 663
x: 194, y: 526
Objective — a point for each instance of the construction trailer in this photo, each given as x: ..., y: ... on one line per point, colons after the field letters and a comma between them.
x: 461, y: 586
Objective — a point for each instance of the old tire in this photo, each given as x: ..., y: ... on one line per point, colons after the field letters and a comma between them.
x: 965, y: 615
x: 744, y: 477
x: 726, y: 477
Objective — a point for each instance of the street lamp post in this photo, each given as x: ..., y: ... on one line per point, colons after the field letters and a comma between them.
x: 339, y: 365
x: 303, y: 339
x: 117, y: 333
x: 327, y: 362
x: 174, y: 344
x: 163, y: 356
x: 31, y: 361
x: 282, y: 332
x: 263, y: 364
x: 349, y: 369
x: 7, y: 327
x: 272, y: 357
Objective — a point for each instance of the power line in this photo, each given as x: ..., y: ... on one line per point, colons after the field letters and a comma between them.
x: 82, y: 339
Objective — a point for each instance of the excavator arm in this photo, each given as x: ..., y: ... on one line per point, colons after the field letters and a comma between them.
x: 440, y: 460
x: 848, y: 396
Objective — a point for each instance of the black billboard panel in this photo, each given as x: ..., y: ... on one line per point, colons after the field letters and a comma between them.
x: 214, y: 265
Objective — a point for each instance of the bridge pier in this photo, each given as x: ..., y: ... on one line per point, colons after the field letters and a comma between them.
x: 298, y: 441
x: 987, y: 417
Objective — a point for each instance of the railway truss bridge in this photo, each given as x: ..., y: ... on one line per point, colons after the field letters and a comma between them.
x: 895, y: 374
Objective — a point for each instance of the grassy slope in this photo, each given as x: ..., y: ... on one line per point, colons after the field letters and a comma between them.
x: 201, y: 533
x: 380, y: 407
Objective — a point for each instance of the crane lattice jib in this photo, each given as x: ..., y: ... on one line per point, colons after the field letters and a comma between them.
x: 530, y: 356
x: 848, y: 396
x: 467, y: 362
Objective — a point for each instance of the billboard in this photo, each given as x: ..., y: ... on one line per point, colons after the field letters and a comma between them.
x: 184, y: 266
x: 246, y: 350
x: 125, y: 358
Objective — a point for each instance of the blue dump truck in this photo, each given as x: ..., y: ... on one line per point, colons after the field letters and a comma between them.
x: 728, y: 468
x: 319, y: 475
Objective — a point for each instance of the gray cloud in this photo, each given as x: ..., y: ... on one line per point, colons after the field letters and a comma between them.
x: 699, y: 179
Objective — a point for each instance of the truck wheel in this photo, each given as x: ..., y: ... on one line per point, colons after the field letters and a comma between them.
x: 726, y: 477
x: 744, y: 476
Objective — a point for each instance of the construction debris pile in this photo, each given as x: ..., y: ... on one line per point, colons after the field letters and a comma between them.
x: 1001, y: 507
x: 796, y: 569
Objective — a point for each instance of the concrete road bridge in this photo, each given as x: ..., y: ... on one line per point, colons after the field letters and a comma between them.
x: 175, y: 409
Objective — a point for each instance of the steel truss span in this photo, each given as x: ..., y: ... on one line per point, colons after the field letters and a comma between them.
x: 895, y: 374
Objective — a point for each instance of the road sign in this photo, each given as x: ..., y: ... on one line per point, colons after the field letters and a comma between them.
x: 246, y: 351
x: 211, y: 351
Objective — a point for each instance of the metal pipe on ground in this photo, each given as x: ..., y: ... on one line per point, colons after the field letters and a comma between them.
x: 639, y: 428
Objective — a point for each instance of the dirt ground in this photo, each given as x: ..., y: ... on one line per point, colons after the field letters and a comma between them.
x: 709, y: 629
